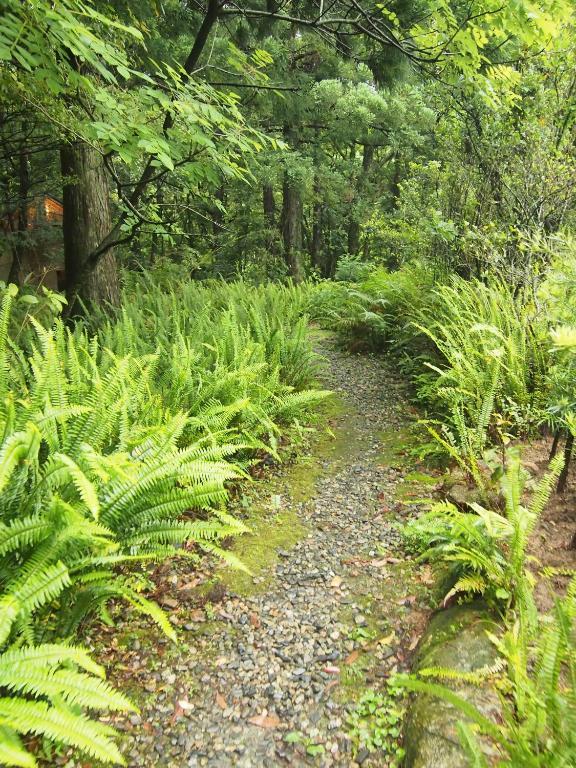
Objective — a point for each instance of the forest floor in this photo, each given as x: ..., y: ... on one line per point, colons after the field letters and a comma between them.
x: 269, y: 667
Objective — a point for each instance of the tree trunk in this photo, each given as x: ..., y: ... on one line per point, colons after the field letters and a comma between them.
x: 316, y: 239
x: 87, y: 222
x: 292, y: 228
x: 567, y: 456
x: 20, y: 247
x: 269, y: 205
x: 353, y: 237
x: 354, y: 222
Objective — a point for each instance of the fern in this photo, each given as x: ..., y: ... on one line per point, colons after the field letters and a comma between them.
x: 117, y: 448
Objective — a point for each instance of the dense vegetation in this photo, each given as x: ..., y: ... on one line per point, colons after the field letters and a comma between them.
x: 402, y: 173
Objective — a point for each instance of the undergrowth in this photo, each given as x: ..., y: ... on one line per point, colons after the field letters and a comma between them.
x: 118, y: 443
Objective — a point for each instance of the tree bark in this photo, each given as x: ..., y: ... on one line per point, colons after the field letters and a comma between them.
x: 353, y: 222
x: 269, y: 205
x: 567, y: 456
x: 316, y: 239
x: 19, y: 251
x: 87, y: 222
x: 292, y: 228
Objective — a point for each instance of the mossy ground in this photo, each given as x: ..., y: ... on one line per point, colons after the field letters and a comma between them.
x: 270, y: 510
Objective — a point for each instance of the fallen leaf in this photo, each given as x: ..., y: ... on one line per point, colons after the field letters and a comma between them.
x: 189, y: 585
x: 388, y: 639
x: 265, y: 721
x: 331, y: 670
x: 408, y: 600
x: 170, y: 602
x: 336, y: 581
x: 221, y: 701
x: 255, y: 620
x: 414, y: 643
x: 197, y: 615
x: 185, y: 705
x: 426, y: 575
x: 351, y: 658
x: 380, y: 563
x: 393, y: 560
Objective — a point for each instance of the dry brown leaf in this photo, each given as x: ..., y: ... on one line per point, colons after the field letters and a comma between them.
x: 255, y: 620
x: 332, y: 670
x: 265, y: 721
x: 189, y: 585
x: 336, y: 581
x: 409, y: 599
x: 221, y: 701
x: 351, y: 658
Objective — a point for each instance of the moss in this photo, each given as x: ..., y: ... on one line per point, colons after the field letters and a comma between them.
x: 421, y: 478
x: 395, y: 446
x: 272, y: 526
x: 258, y: 550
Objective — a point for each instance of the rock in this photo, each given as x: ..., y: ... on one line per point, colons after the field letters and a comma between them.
x: 456, y: 638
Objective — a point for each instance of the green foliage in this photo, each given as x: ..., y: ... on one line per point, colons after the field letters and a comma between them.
x: 375, y: 723
x: 491, y: 344
x: 46, y: 687
x: 538, y: 694
x: 100, y: 467
x: 236, y: 358
x: 484, y: 551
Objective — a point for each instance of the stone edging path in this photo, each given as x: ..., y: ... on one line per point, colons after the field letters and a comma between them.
x: 335, y: 609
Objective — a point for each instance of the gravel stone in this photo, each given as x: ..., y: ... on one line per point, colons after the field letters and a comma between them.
x: 278, y: 655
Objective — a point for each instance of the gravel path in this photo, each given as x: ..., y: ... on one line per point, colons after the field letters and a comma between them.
x: 335, y: 614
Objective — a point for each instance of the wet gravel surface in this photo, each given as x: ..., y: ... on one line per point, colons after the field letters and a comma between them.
x: 252, y: 668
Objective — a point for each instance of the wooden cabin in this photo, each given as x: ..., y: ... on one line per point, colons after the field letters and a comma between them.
x: 42, y: 249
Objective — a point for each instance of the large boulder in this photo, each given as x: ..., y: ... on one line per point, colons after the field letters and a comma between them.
x: 457, y: 639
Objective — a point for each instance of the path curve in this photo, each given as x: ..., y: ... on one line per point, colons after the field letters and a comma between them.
x: 293, y: 656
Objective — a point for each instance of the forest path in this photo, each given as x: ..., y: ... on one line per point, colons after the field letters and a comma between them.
x: 333, y: 608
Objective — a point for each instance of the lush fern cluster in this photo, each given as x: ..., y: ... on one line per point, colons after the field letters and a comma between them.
x: 483, y: 550
x: 489, y: 340
x: 485, y: 553
x: 373, y: 311
x: 116, y: 449
x: 236, y: 358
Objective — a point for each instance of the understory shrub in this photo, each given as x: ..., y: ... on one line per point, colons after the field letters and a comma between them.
x: 536, y: 672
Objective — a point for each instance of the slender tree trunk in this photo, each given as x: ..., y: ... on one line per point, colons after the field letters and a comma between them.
x: 87, y: 222
x: 292, y: 228
x: 353, y: 236
x: 567, y: 456
x: 316, y: 239
x: 354, y: 221
x: 554, y: 448
x: 20, y: 248
x: 269, y: 205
